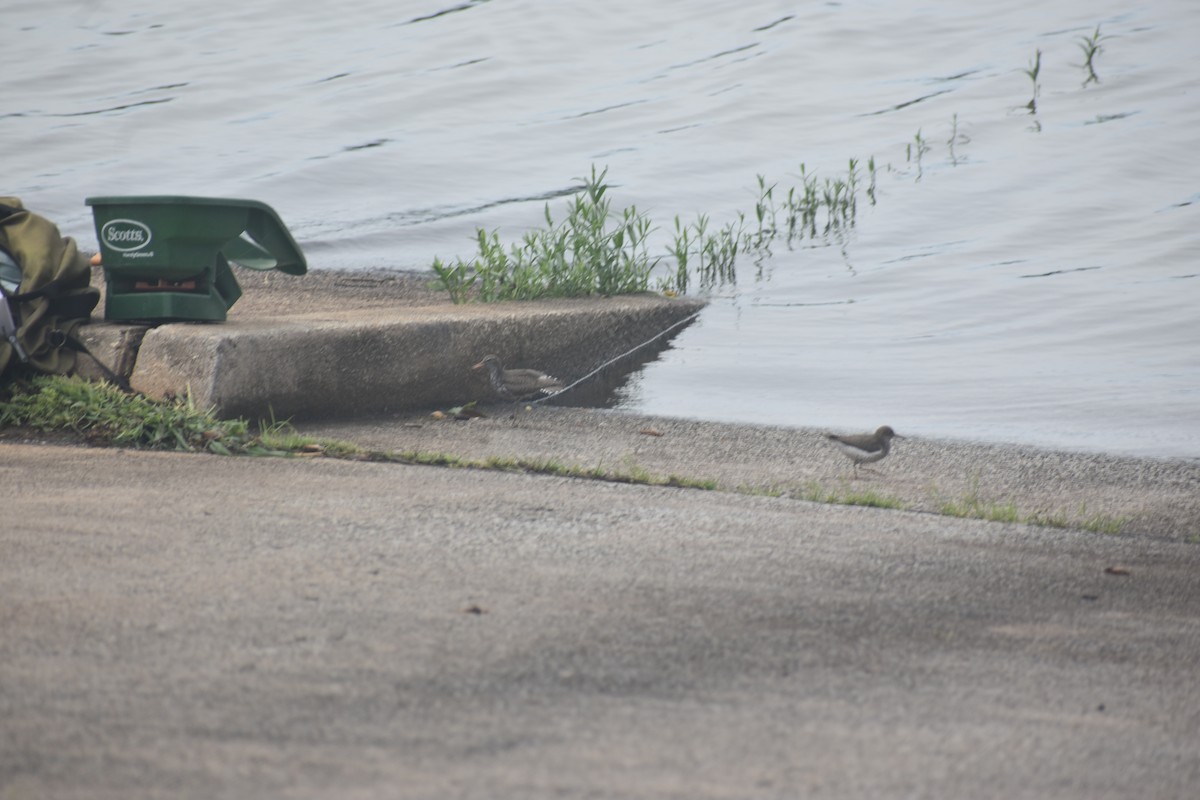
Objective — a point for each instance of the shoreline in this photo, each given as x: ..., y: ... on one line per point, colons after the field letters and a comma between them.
x: 1159, y: 498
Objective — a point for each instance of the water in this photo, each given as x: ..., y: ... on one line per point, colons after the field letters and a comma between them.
x: 1035, y: 283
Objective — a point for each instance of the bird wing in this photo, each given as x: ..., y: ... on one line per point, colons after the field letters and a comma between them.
x: 868, y: 444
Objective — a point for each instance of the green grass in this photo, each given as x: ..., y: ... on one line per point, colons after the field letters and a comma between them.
x: 631, y: 474
x: 845, y: 496
x: 281, y: 437
x: 760, y: 491
x: 971, y: 505
x: 102, y: 414
x: 1096, y: 523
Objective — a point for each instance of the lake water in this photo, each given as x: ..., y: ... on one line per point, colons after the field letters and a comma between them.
x: 1035, y: 278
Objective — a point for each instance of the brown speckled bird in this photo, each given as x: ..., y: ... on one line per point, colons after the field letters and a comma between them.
x: 517, y: 384
x: 866, y: 448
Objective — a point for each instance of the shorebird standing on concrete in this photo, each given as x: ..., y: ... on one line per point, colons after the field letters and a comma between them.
x: 866, y: 448
x: 517, y: 384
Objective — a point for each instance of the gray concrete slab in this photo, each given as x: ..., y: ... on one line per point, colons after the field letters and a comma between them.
x: 353, y: 343
x: 355, y: 362
x: 192, y: 626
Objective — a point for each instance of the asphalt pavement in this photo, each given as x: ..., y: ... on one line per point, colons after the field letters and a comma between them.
x: 192, y: 626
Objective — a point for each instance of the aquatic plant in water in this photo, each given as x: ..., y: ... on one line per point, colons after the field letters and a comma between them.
x: 955, y: 139
x: 1091, y: 47
x: 814, y: 208
x: 1034, y: 70
x: 594, y: 250
x: 916, y: 150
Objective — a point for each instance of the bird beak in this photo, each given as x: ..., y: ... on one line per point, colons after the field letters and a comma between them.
x: 478, y: 366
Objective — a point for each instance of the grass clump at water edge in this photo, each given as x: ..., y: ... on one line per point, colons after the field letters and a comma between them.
x: 594, y: 250
x: 591, y: 251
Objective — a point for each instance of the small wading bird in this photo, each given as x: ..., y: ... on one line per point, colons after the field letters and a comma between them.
x: 866, y: 448
x: 517, y: 384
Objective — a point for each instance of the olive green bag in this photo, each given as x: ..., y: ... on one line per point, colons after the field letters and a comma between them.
x: 47, y: 293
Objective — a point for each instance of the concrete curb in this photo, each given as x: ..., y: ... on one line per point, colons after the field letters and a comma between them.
x: 115, y: 345
x: 375, y: 361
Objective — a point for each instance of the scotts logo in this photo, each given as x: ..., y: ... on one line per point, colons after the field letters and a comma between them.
x: 125, y: 235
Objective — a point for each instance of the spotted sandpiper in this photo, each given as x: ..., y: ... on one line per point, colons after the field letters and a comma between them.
x: 517, y: 384
x: 866, y: 448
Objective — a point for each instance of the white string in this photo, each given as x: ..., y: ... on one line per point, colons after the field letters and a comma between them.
x: 612, y: 361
